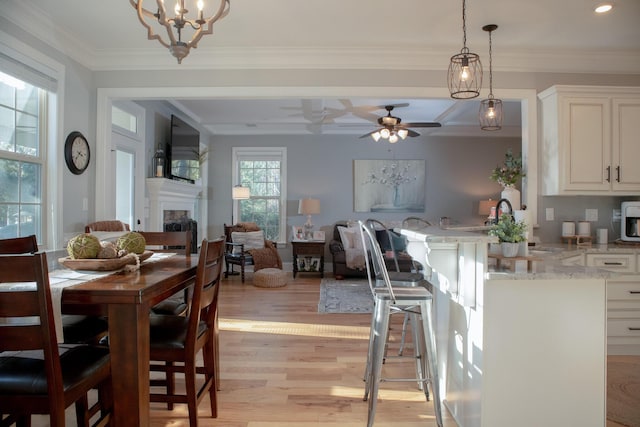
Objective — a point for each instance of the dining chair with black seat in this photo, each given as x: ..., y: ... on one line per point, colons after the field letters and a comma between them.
x: 175, y: 242
x: 175, y: 341
x: 38, y: 375
x: 76, y: 328
x: 390, y: 298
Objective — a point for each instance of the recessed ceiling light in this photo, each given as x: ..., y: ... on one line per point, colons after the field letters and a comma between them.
x: 603, y: 7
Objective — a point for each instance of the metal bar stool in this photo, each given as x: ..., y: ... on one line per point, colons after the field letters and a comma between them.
x: 416, y: 300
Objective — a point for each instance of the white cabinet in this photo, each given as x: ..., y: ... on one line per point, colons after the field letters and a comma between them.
x: 623, y: 315
x: 622, y: 263
x: 590, y: 140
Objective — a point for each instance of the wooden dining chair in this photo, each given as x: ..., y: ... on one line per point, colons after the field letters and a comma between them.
x: 76, y: 328
x: 37, y: 375
x: 170, y: 241
x: 177, y: 340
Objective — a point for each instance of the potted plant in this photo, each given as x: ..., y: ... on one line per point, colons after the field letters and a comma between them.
x: 507, y: 175
x: 510, y: 233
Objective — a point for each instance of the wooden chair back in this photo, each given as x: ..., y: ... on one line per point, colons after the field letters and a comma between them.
x: 28, y: 325
x: 19, y: 245
x: 109, y: 225
x: 168, y: 241
x: 39, y: 334
x: 205, y: 292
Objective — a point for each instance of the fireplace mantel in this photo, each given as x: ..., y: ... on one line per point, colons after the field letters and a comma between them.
x: 168, y: 194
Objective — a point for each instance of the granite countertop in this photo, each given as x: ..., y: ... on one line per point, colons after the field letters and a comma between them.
x: 436, y: 234
x: 549, y: 263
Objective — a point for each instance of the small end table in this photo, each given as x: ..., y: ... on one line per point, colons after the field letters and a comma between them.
x: 308, y: 256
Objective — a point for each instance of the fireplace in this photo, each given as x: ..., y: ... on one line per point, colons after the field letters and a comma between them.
x: 179, y: 220
x: 173, y: 205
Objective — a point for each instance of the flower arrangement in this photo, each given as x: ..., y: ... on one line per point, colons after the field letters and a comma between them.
x: 510, y: 171
x: 508, y: 230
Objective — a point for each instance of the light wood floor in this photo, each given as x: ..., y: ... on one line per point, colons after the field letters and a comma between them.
x: 286, y: 365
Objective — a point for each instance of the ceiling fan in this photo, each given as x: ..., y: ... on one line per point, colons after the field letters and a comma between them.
x: 392, y: 128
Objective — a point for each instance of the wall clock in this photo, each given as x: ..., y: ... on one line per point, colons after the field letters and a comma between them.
x: 76, y: 153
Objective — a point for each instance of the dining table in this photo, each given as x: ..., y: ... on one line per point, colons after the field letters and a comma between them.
x: 126, y: 297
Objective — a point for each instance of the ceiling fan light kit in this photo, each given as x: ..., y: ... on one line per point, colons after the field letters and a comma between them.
x: 490, y: 113
x: 464, y: 77
x: 392, y: 130
x: 179, y: 23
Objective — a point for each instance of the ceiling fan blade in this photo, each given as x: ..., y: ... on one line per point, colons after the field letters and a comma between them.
x: 401, y: 105
x: 412, y: 133
x: 422, y: 125
x: 369, y: 134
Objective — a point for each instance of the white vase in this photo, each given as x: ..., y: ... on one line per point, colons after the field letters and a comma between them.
x: 509, y: 250
x: 512, y: 194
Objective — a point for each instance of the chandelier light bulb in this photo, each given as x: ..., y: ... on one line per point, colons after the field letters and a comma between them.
x: 385, y: 133
x: 393, y: 138
x: 177, y: 9
x: 376, y: 136
x: 402, y: 133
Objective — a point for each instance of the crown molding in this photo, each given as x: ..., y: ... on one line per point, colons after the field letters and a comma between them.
x: 420, y: 58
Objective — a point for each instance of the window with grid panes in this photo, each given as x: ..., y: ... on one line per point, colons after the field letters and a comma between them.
x: 22, y: 157
x: 263, y: 171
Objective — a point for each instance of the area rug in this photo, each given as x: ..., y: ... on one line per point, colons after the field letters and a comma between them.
x: 623, y: 390
x: 345, y: 296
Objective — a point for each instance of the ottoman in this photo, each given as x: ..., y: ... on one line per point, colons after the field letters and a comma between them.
x: 270, y: 278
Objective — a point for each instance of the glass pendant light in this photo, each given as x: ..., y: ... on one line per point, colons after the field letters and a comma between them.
x: 490, y: 113
x: 464, y: 77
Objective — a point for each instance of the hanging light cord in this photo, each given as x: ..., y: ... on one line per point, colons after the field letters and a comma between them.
x: 490, y: 68
x: 464, y: 24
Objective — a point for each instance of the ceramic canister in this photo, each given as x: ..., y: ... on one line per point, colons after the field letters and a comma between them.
x: 584, y: 228
x: 568, y: 228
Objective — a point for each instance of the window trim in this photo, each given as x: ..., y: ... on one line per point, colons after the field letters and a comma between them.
x: 52, y: 134
x: 263, y: 153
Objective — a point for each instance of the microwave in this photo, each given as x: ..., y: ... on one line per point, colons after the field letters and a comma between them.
x: 630, y: 221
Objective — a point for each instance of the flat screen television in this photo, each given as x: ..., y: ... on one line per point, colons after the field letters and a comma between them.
x: 184, y: 151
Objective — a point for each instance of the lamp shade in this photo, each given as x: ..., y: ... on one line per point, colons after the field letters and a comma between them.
x: 309, y: 207
x: 240, y: 193
x: 484, y: 207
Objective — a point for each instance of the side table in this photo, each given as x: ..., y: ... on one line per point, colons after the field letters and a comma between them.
x: 308, y: 256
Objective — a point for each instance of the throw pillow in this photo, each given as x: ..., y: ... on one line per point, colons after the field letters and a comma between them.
x: 350, y: 237
x: 399, y: 242
x: 250, y: 239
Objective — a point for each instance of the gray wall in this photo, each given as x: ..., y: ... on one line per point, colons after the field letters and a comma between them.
x: 457, y: 175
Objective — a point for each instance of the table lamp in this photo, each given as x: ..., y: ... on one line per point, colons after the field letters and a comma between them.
x: 239, y: 192
x: 308, y: 207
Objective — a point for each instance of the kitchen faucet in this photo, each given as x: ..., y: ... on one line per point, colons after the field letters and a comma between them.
x: 497, y: 218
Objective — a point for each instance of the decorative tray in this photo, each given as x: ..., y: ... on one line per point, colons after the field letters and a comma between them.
x: 96, y: 264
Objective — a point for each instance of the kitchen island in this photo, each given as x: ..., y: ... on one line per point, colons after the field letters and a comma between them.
x: 526, y: 349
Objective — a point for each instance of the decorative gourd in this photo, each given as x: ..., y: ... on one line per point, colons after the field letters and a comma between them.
x: 108, y: 250
x: 83, y: 246
x: 131, y: 242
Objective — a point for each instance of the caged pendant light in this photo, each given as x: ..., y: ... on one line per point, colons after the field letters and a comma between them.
x: 490, y: 113
x: 464, y: 77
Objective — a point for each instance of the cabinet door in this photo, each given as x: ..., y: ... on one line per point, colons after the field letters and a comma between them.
x: 626, y: 144
x: 622, y: 263
x: 585, y: 129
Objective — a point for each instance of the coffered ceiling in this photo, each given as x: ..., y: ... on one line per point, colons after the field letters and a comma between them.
x: 416, y: 35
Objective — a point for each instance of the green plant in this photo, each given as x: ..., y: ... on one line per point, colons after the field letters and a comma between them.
x: 510, y: 171
x: 508, y: 230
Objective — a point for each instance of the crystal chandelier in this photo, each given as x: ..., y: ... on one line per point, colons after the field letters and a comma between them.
x: 465, y: 70
x: 180, y: 26
x: 490, y: 113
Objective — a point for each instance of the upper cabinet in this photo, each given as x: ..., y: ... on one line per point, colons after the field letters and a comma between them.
x: 591, y: 140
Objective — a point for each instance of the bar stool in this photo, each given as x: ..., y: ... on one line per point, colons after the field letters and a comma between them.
x: 417, y: 301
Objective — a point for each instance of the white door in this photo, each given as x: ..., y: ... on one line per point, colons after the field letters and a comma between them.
x: 128, y: 175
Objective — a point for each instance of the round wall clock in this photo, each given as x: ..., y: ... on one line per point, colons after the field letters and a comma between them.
x: 76, y: 152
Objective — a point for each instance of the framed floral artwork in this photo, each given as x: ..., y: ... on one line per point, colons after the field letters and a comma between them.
x: 389, y: 185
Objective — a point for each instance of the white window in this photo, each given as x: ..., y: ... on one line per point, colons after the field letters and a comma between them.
x: 264, y: 171
x: 23, y: 115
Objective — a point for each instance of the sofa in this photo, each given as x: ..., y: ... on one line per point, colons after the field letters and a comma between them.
x: 339, y: 254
